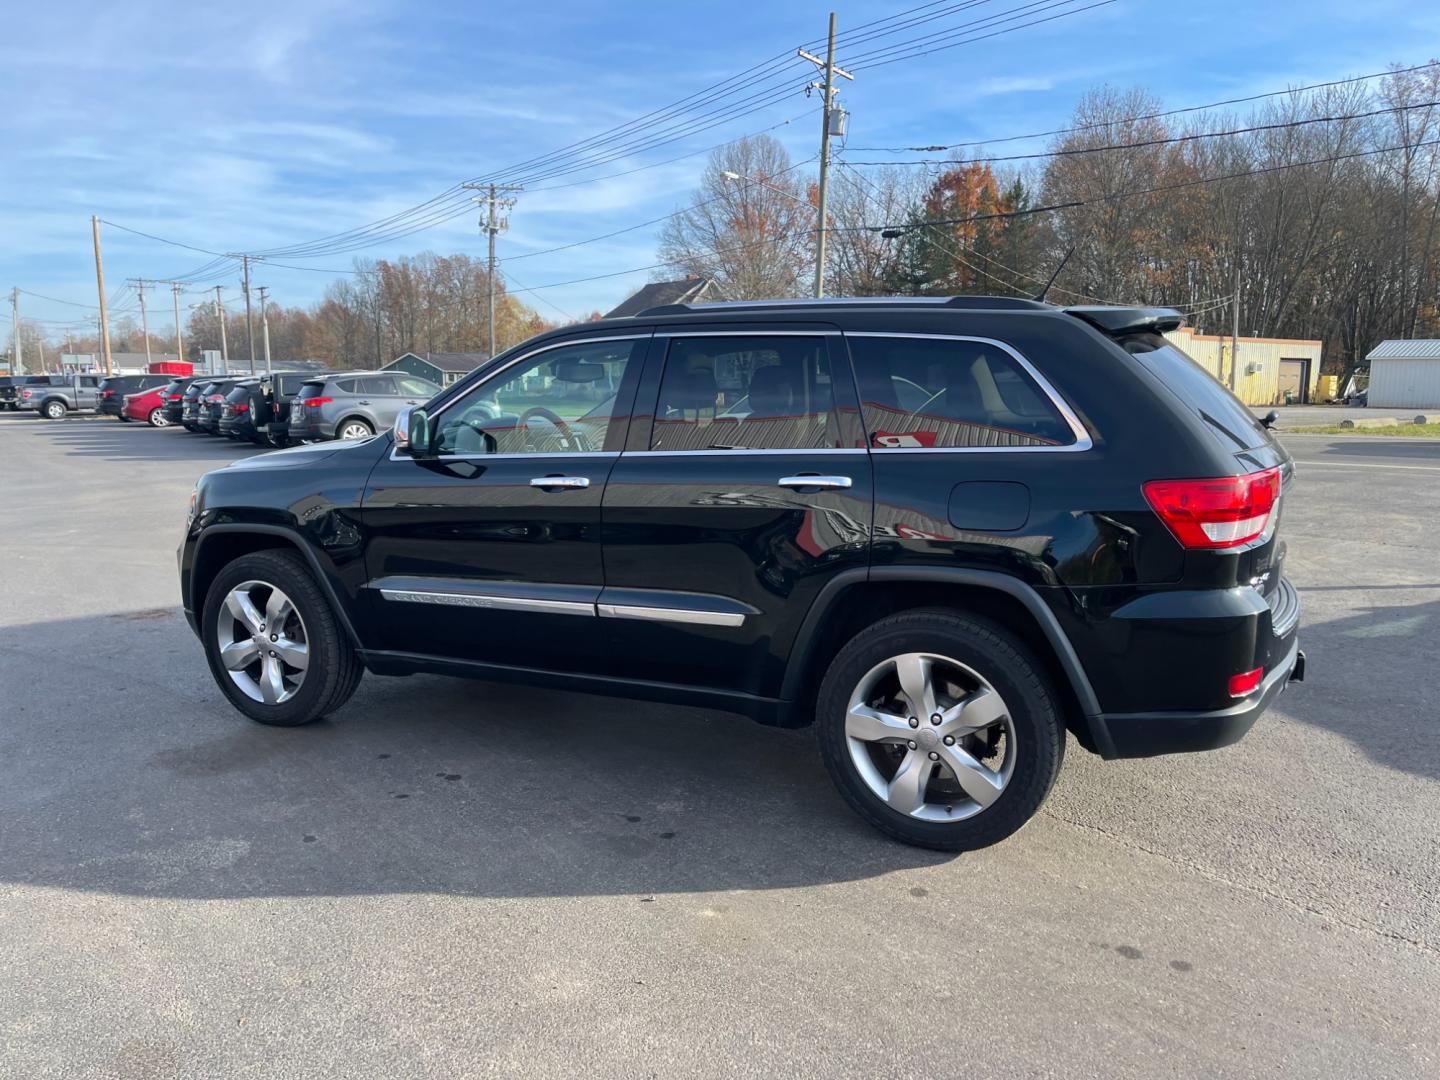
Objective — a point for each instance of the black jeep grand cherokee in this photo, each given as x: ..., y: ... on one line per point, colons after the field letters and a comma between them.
x: 944, y: 531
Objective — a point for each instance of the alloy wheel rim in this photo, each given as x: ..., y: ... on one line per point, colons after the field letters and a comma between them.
x: 930, y: 737
x: 354, y: 431
x: 262, y: 641
x: 159, y: 419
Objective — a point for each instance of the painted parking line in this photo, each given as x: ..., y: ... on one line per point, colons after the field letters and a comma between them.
x: 1314, y: 462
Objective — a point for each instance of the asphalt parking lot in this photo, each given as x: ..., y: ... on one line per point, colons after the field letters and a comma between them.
x: 455, y: 879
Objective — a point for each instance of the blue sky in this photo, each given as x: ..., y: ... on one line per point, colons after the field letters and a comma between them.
x: 246, y: 127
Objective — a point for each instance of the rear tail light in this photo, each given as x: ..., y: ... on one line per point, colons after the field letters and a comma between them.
x: 1223, y: 512
x: 1245, y: 684
x: 215, y: 399
x: 241, y: 407
x: 25, y: 393
x: 316, y: 402
x: 107, y: 393
x: 174, y: 397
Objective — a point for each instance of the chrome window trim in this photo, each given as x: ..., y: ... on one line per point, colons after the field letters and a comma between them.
x: 747, y: 333
x: 494, y: 603
x: 674, y: 615
x: 395, y: 455
x: 786, y: 450
x: 1082, y: 437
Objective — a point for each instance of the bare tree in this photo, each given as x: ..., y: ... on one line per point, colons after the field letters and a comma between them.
x: 750, y: 224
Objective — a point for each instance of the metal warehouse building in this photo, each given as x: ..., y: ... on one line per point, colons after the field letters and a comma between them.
x: 1270, y: 368
x: 1405, y: 374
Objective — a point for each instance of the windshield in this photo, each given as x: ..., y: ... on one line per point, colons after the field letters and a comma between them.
x: 1221, y: 410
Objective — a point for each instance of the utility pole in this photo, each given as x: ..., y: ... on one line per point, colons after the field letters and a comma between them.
x: 224, y: 346
x: 265, y: 325
x: 179, y: 341
x: 100, y: 285
x: 249, y: 317
x: 493, y: 224
x: 832, y: 122
x: 1235, y: 325
x: 140, y: 286
x: 17, y: 360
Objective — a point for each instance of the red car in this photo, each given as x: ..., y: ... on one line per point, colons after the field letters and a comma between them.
x: 147, y: 405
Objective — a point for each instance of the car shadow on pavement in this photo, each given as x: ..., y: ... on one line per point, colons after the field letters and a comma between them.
x: 1371, y: 677
x: 107, y: 437
x: 139, y: 778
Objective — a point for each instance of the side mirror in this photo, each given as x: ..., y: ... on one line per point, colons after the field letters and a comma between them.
x: 412, y: 431
x: 1268, y: 420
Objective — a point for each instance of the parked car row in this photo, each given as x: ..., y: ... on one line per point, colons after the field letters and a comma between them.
x: 275, y: 409
x: 284, y: 406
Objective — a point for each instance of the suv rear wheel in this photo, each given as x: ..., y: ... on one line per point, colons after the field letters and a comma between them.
x: 273, y: 643
x: 354, y: 428
x: 940, y: 730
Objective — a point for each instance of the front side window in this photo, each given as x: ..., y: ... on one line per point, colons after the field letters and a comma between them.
x: 948, y: 393
x: 559, y: 401
x: 746, y: 392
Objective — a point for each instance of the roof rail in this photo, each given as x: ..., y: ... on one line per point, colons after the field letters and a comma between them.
x: 974, y: 303
x: 1128, y: 320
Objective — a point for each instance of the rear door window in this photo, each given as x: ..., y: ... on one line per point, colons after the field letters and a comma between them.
x: 378, y: 385
x: 949, y: 393
x: 1211, y: 400
x: 746, y: 392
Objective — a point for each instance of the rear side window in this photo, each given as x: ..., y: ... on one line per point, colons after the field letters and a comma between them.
x: 414, y: 387
x: 1212, y: 401
x: 377, y: 384
x: 948, y: 393
x: 345, y: 386
x: 746, y: 393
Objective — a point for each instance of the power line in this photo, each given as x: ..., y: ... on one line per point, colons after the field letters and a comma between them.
x: 1082, y: 150
x: 928, y: 50
x: 1145, y: 116
x: 1000, y: 215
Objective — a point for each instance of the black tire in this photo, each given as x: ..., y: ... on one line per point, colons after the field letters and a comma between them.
x: 1003, y: 661
x: 123, y: 418
x: 333, y: 671
x: 54, y: 409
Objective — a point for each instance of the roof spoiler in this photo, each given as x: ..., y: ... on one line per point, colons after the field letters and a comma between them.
x: 1129, y: 320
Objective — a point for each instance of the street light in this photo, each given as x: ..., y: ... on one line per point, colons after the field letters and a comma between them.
x: 737, y: 177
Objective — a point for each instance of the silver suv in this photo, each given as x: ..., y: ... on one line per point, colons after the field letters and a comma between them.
x: 354, y: 405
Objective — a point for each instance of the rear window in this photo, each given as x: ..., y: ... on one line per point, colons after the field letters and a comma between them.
x: 312, y: 389
x: 951, y: 393
x: 1211, y: 400
x: 239, y: 393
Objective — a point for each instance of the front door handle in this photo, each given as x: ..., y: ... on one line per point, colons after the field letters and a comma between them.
x: 560, y: 482
x: 829, y: 483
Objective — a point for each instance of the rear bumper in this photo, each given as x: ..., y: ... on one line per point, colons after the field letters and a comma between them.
x: 1130, y: 735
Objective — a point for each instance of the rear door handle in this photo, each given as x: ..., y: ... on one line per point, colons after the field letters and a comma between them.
x: 364, y: 402
x: 829, y: 483
x: 560, y: 482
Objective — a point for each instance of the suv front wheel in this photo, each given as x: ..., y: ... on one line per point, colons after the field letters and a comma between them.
x: 273, y: 643
x: 940, y: 730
